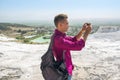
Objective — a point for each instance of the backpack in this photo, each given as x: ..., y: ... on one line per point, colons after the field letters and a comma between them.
x: 51, y: 69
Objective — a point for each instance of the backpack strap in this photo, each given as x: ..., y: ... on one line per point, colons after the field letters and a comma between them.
x: 51, y: 47
x: 51, y: 42
x: 64, y: 55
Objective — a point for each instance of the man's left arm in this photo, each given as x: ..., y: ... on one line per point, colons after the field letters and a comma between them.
x: 78, y: 36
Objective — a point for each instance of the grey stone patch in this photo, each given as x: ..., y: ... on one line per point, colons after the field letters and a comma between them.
x: 118, y: 66
x: 118, y: 49
x: 94, y: 77
x: 1, y: 54
x: 111, y: 58
x: 10, y: 73
x: 101, y: 70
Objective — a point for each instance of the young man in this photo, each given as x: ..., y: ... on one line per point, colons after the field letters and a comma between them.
x: 67, y: 43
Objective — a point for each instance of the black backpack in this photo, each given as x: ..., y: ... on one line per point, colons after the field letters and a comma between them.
x: 51, y: 69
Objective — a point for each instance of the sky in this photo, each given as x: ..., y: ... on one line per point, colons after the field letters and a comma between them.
x: 34, y: 10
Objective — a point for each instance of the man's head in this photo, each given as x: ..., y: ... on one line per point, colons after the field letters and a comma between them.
x: 61, y: 22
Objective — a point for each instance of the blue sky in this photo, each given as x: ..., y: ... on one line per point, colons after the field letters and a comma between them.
x: 33, y: 10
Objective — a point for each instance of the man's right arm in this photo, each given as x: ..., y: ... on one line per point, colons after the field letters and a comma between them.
x: 87, y: 32
x: 84, y: 32
x: 79, y: 35
x: 66, y: 44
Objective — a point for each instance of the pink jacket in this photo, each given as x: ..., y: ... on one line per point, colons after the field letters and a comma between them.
x: 67, y: 43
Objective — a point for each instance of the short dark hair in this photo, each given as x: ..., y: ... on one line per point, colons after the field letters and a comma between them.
x: 59, y: 17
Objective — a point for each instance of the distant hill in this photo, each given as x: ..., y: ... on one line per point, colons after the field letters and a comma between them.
x: 6, y: 26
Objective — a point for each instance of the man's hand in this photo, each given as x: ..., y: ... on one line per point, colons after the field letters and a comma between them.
x: 87, y: 31
x: 88, y: 28
x: 84, y: 28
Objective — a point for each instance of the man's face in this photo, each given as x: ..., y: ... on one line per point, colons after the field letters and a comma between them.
x: 64, y: 25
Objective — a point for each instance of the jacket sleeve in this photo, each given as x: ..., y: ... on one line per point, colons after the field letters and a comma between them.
x: 71, y: 38
x: 67, y: 44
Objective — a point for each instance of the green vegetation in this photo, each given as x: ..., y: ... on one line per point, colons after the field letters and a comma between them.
x: 26, y: 40
x: 20, y: 31
x: 21, y: 38
x: 15, y: 30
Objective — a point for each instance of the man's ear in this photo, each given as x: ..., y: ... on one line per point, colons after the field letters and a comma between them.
x: 60, y: 24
